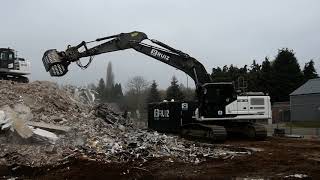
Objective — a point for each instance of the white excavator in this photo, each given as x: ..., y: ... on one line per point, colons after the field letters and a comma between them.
x: 12, y: 67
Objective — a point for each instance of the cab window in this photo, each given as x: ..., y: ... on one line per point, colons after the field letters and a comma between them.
x: 257, y: 101
x: 3, y: 56
x: 10, y: 56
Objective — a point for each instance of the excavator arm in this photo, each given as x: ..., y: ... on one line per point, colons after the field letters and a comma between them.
x: 57, y: 62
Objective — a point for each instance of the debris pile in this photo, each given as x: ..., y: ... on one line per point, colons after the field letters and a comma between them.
x: 43, y: 124
x: 107, y: 113
x: 134, y: 144
x: 81, y: 94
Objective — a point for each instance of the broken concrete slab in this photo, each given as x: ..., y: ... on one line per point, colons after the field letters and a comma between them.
x: 5, y: 123
x: 44, y: 136
x: 2, y: 116
x: 23, y: 111
x: 6, y: 126
x: 21, y: 128
x: 49, y: 127
x: 16, y: 121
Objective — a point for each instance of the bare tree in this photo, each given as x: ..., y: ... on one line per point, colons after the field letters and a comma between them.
x: 137, y: 84
x: 136, y: 93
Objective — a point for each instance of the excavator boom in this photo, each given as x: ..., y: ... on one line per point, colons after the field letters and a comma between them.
x: 57, y: 62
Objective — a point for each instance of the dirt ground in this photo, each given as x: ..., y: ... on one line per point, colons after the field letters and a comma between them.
x: 274, y: 158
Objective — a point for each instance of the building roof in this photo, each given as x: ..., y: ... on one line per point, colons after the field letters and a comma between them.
x: 310, y: 87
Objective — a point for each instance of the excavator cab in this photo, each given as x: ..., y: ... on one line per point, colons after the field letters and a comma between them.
x: 216, y: 97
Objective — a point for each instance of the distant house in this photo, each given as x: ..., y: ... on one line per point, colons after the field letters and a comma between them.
x: 305, y: 102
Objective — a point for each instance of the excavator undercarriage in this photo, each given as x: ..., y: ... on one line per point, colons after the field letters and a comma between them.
x: 210, y: 133
x: 219, y: 133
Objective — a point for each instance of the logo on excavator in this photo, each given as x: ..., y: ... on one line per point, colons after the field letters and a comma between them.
x: 160, y: 113
x: 156, y: 53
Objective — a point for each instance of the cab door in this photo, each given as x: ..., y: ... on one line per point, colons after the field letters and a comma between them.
x: 6, y: 59
x: 3, y: 60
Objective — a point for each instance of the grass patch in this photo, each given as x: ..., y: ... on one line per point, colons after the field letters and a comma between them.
x: 310, y: 124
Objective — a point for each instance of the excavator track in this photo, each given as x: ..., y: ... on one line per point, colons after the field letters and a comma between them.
x: 249, y: 130
x: 260, y: 131
x: 20, y: 79
x: 256, y: 131
x: 209, y: 133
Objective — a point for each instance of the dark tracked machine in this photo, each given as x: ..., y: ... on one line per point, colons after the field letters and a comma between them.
x: 218, y: 111
x: 12, y: 67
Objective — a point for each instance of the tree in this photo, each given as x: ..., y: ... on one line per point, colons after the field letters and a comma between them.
x: 109, y: 77
x: 117, y: 93
x: 153, y: 95
x: 174, y: 91
x: 136, y: 94
x: 266, y: 81
x: 101, y: 90
x: 219, y: 75
x: 254, y: 77
x: 309, y: 72
x: 137, y: 84
x: 109, y: 90
x: 189, y: 93
x: 287, y: 75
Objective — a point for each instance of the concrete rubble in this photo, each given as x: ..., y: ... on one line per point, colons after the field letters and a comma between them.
x: 43, y: 124
x: 80, y: 94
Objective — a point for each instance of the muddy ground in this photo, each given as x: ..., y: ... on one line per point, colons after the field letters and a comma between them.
x: 274, y: 158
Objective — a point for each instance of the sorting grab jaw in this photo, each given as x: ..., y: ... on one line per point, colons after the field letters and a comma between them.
x: 54, y: 63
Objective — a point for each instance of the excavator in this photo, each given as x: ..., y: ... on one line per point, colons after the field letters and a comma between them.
x: 12, y: 67
x: 219, y: 110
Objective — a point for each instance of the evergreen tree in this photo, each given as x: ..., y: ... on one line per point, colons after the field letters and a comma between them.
x: 189, y: 93
x: 233, y: 73
x: 218, y: 75
x: 109, y: 90
x: 266, y: 80
x: 109, y: 77
x: 309, y: 72
x: 153, y: 95
x: 254, y: 77
x: 101, y: 90
x: 287, y: 75
x: 117, y: 93
x: 174, y: 91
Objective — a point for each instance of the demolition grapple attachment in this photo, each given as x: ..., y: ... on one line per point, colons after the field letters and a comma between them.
x: 57, y: 62
x: 54, y: 63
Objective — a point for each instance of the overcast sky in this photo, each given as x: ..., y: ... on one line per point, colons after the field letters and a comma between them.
x: 214, y: 32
